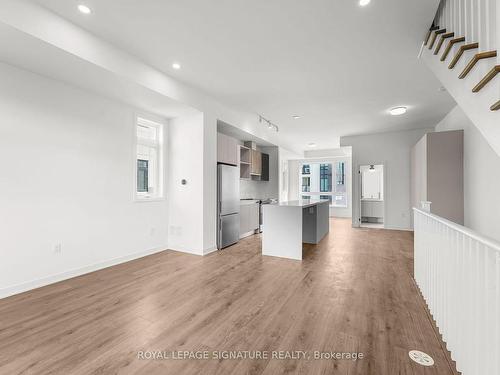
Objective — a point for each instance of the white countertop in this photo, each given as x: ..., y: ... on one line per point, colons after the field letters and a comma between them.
x: 302, y: 203
x: 244, y: 202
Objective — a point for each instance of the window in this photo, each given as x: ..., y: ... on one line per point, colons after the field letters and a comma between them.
x: 324, y: 181
x: 306, y: 184
x: 142, y: 175
x: 149, y: 171
x: 325, y: 177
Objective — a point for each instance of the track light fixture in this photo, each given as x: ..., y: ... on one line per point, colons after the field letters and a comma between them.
x: 270, y: 125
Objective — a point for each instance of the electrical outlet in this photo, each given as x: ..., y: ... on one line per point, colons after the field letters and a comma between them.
x: 58, y: 248
x: 152, y: 231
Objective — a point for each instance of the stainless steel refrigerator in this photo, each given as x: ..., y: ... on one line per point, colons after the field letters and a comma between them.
x: 228, y: 205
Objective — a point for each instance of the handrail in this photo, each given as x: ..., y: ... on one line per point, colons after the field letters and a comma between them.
x: 496, y: 106
x: 491, y: 243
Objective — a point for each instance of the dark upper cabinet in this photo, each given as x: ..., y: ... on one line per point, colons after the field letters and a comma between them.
x: 265, y: 168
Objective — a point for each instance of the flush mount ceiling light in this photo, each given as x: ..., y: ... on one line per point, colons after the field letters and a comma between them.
x: 84, y: 9
x: 176, y: 66
x: 312, y: 144
x: 364, y: 3
x: 396, y: 111
x: 295, y: 117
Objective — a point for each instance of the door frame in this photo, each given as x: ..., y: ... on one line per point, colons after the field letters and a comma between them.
x: 359, y: 187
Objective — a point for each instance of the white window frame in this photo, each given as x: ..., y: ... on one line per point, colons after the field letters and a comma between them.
x: 334, y: 182
x: 158, y: 145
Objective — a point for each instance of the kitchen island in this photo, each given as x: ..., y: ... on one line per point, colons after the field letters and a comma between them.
x: 289, y: 224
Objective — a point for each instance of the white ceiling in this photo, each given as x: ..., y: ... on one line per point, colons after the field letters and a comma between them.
x: 65, y: 67
x: 337, y: 65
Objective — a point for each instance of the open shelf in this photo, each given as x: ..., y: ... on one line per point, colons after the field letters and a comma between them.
x: 245, y: 156
x: 245, y: 162
x: 245, y: 171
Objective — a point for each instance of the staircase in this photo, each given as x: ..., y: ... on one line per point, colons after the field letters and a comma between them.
x: 460, y: 48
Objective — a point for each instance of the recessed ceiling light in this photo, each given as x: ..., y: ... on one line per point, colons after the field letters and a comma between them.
x: 84, y: 9
x: 295, y: 117
x: 398, y: 111
x: 312, y: 144
x: 176, y: 66
x: 364, y: 3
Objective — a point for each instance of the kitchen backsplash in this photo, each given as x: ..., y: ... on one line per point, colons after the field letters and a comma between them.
x: 263, y: 189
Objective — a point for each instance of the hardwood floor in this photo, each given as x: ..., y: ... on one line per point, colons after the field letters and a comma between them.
x: 352, y: 293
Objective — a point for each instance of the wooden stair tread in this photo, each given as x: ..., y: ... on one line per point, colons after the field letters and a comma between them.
x: 460, y: 52
x: 451, y: 43
x: 434, y: 36
x: 433, y: 28
x: 441, y: 40
x: 487, y: 78
x: 496, y: 106
x: 474, y: 60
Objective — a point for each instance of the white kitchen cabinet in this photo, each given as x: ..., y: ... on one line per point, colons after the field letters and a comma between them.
x: 372, y: 208
x: 227, y: 149
x: 256, y: 167
x: 249, y: 218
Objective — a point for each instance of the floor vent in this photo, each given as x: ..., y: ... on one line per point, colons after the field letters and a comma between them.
x: 421, y: 358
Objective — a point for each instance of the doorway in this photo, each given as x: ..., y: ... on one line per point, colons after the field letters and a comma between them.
x: 372, y: 199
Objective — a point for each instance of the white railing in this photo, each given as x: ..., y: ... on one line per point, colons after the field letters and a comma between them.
x: 476, y: 20
x: 458, y: 273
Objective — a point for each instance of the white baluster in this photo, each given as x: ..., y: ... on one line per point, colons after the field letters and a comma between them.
x: 461, y: 17
x: 468, y: 22
x: 495, y: 313
x: 468, y: 344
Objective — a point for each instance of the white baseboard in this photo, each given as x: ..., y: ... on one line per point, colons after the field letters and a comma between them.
x: 186, y: 250
x: 210, y: 250
x: 247, y: 234
x: 182, y: 249
x: 37, y: 283
x: 396, y: 228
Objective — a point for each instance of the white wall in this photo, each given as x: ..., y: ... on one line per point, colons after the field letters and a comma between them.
x: 481, y: 176
x: 67, y: 160
x: 285, y: 157
x: 393, y: 150
x: 192, y: 207
x: 185, y: 150
x: 209, y: 162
